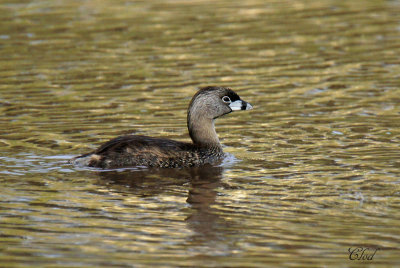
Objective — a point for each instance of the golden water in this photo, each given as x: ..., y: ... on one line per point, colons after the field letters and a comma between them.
x: 316, y: 166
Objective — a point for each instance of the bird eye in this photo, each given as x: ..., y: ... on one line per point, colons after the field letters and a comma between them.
x: 226, y: 99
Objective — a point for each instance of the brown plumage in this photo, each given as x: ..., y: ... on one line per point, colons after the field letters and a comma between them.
x: 132, y: 150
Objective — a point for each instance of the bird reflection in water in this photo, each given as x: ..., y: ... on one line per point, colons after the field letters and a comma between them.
x: 202, y: 183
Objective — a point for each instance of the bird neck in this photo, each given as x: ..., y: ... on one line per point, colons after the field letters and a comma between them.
x: 202, y: 131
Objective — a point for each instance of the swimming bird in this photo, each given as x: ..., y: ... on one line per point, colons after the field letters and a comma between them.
x: 208, y: 104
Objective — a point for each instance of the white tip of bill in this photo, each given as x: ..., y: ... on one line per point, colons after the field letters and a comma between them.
x: 248, y: 106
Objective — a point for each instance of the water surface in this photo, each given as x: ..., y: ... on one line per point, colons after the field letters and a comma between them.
x: 316, y: 162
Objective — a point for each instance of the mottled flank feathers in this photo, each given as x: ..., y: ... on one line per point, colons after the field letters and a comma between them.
x: 133, y: 150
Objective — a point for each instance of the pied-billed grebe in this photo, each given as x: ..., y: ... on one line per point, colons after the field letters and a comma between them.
x: 206, y: 105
